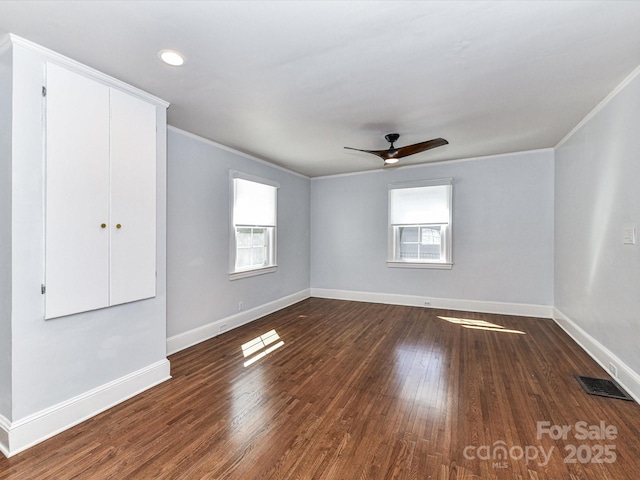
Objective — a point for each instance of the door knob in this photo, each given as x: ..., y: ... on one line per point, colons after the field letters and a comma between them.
x: 104, y: 225
x: 118, y: 226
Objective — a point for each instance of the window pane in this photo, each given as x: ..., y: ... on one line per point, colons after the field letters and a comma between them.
x: 408, y: 234
x: 430, y: 235
x: 409, y: 251
x: 259, y: 255
x: 243, y: 258
x: 244, y: 237
x: 258, y: 238
x: 430, y: 252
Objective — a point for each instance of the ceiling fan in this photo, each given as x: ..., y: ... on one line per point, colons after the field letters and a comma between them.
x: 392, y: 154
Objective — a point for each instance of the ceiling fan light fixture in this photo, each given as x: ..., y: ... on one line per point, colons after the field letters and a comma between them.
x: 389, y: 161
x: 171, y: 57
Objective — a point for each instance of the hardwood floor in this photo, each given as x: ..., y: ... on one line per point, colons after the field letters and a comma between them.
x: 358, y: 391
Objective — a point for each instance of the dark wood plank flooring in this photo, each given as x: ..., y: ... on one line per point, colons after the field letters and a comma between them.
x: 357, y: 391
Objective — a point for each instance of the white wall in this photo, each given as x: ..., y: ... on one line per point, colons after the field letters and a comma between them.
x: 597, y: 277
x: 502, y: 231
x: 60, y: 359
x: 200, y: 291
x: 5, y: 230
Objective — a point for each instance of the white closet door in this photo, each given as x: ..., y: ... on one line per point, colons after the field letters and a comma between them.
x: 133, y: 198
x: 77, y: 193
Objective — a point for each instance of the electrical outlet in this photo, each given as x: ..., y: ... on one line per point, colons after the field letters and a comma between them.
x: 240, y: 306
x: 613, y: 370
x: 629, y: 235
x: 427, y: 303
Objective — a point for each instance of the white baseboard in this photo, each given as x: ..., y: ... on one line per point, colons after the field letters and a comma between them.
x: 519, y: 309
x: 26, y: 432
x: 213, y: 329
x: 626, y: 377
x: 5, y: 425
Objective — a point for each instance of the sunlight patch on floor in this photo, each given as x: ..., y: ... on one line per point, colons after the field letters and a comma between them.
x: 480, y: 325
x: 259, y: 344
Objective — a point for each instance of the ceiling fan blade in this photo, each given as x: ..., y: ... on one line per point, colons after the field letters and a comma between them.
x: 419, y: 147
x: 384, y: 154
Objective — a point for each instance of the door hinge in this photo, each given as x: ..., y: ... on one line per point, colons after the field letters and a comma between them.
x: 43, y: 289
x: 44, y: 91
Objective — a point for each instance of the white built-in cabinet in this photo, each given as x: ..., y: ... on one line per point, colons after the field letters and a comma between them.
x: 100, y: 194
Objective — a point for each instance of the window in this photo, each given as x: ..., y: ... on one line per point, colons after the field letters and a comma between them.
x: 253, y: 229
x: 420, y: 224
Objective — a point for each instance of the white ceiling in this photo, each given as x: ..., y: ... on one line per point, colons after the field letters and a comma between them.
x: 293, y: 82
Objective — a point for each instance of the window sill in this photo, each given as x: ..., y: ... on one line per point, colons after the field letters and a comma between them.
x: 437, y: 266
x: 252, y: 273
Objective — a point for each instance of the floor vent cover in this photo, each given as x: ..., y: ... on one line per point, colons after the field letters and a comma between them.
x: 602, y: 387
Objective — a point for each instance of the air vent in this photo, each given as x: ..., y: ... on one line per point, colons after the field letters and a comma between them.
x: 603, y: 388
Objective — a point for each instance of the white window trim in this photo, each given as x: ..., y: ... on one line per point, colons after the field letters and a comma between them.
x: 434, y: 265
x: 245, y: 273
x: 252, y: 273
x: 391, y: 247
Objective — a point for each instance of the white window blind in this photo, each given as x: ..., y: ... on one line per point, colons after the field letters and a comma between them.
x: 419, y: 205
x: 254, y: 203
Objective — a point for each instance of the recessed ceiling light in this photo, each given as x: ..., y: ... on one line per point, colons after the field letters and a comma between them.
x: 171, y: 57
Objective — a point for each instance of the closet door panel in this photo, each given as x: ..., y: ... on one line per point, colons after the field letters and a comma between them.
x: 77, y: 193
x: 133, y: 198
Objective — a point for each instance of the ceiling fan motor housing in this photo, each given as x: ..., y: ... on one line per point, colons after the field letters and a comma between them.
x: 391, y: 138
